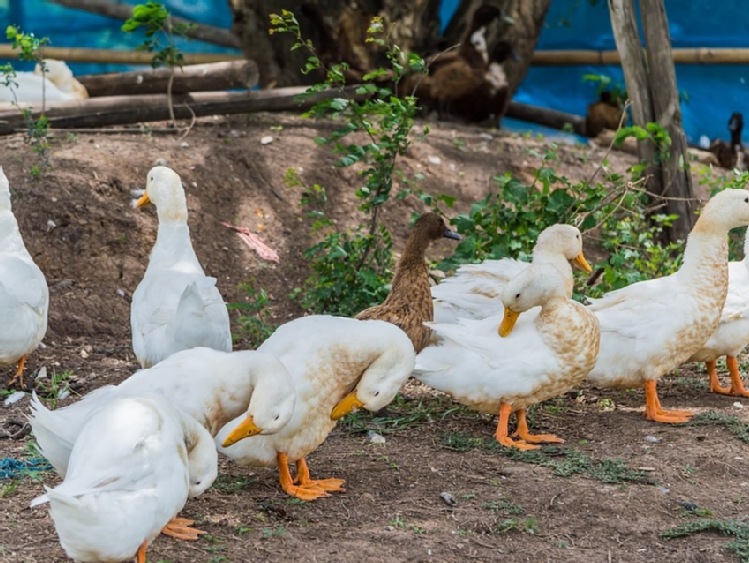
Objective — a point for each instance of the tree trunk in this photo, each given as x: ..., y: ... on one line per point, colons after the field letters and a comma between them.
x: 413, y: 26
x: 676, y: 181
x: 528, y: 17
x: 651, y: 87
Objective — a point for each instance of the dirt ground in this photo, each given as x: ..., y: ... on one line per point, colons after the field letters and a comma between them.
x: 438, y: 489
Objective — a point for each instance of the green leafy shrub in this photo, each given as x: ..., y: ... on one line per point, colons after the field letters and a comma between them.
x: 255, y: 323
x: 350, y: 268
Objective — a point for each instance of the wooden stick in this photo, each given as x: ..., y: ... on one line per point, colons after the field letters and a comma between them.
x: 117, y: 110
x: 696, y: 55
x: 122, y: 11
x: 194, y: 78
x: 84, y: 55
x: 548, y: 117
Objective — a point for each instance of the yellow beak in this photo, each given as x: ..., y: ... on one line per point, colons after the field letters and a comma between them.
x: 582, y: 263
x: 346, y: 405
x: 508, y: 322
x: 144, y: 199
x: 244, y: 429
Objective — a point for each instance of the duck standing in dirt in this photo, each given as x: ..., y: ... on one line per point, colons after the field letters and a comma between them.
x: 409, y: 304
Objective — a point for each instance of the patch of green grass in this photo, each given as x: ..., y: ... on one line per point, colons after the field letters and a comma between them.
x: 738, y: 529
x: 503, y: 505
x: 275, y: 532
x: 231, y: 484
x: 564, y: 461
x: 527, y: 525
x: 730, y: 422
x: 401, y: 414
x: 54, y: 387
x: 8, y: 489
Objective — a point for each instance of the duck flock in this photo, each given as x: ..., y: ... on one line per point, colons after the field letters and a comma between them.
x: 498, y: 336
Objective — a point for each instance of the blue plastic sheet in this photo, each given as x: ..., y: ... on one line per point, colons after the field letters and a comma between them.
x: 12, y: 468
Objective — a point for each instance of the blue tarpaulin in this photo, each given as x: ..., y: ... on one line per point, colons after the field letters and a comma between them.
x: 713, y: 91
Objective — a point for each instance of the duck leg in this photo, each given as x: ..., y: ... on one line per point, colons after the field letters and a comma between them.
x: 522, y: 432
x: 304, y: 480
x: 656, y: 413
x: 19, y: 373
x: 309, y: 492
x: 715, y: 386
x: 140, y: 555
x: 737, y: 386
x: 503, y: 436
x: 181, y: 529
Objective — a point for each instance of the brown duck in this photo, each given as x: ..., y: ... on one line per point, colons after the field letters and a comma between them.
x: 731, y: 155
x: 606, y: 113
x: 409, y: 304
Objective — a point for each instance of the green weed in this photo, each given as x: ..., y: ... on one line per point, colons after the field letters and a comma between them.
x: 728, y: 421
x: 738, y: 529
x: 255, y: 319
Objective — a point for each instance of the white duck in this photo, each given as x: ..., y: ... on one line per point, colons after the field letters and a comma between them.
x: 475, y: 289
x: 175, y: 306
x: 24, y: 297
x: 56, y: 84
x: 337, y: 364
x: 508, y: 369
x: 129, y: 474
x: 211, y: 386
x: 732, y: 334
x: 651, y: 327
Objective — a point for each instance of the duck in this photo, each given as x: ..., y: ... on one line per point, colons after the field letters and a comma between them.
x: 55, y: 83
x: 337, y: 364
x: 455, y: 74
x: 474, y: 291
x: 653, y: 326
x: 409, y: 303
x: 732, y: 334
x: 175, y: 306
x: 24, y: 295
x: 731, y: 155
x: 606, y: 113
x: 212, y: 386
x: 129, y: 474
x: 59, y: 73
x: 506, y: 363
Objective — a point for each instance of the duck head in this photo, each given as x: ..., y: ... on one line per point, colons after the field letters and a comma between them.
x: 534, y: 286
x: 726, y: 210
x: 271, y: 406
x: 431, y: 226
x: 202, y: 458
x: 565, y: 240
x: 164, y: 189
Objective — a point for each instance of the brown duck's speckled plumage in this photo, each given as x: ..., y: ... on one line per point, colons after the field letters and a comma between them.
x: 409, y: 304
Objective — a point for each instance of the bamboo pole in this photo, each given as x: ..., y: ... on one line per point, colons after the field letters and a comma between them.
x: 696, y: 55
x: 84, y: 55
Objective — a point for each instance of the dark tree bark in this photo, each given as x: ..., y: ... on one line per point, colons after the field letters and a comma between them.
x: 651, y: 87
x: 413, y: 26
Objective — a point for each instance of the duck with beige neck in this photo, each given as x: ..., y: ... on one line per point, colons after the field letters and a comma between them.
x: 336, y: 364
x: 651, y: 327
x: 533, y: 358
x: 409, y: 303
x: 175, y: 306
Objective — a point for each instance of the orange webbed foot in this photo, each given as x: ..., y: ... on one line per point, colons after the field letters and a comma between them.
x: 737, y: 386
x: 181, y: 529
x: 715, y: 386
x: 656, y: 413
x: 18, y: 377
x: 502, y: 434
x: 523, y: 433
x: 304, y: 480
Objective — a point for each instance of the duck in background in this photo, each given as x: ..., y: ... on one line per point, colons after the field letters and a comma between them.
x: 24, y: 296
x: 336, y: 364
x: 606, y: 113
x: 731, y: 155
x: 175, y: 306
x: 409, y: 303
x: 651, y: 327
x: 474, y: 291
x: 131, y: 470
x: 523, y: 362
x: 732, y: 334
x: 54, y: 82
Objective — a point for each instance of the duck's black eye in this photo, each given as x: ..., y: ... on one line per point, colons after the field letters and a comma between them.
x: 746, y: 200
x: 517, y: 296
x: 577, y: 237
x: 376, y: 393
x: 277, y: 417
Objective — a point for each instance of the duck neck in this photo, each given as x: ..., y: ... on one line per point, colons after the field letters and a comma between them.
x: 560, y: 263
x: 736, y: 139
x: 705, y: 266
x: 411, y: 260
x: 235, y: 386
x: 10, y: 236
x: 172, y: 247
